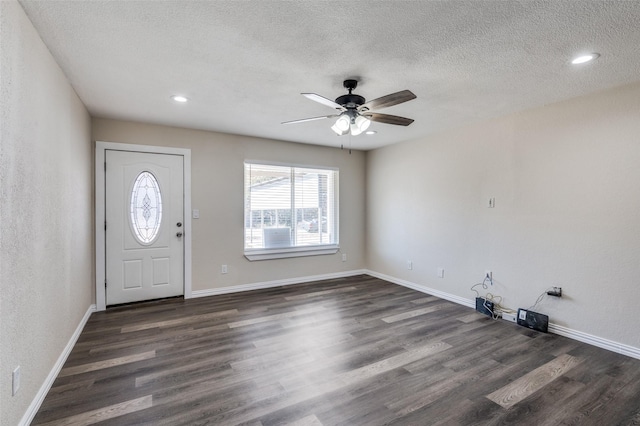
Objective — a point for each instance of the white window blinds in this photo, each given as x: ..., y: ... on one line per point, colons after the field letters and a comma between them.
x: 289, y: 207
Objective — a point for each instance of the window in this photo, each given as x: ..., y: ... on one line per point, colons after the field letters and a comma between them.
x: 289, y: 211
x: 146, y: 208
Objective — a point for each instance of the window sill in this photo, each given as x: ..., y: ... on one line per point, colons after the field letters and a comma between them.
x: 254, y: 255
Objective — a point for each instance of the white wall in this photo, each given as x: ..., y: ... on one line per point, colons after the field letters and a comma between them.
x: 46, y: 215
x: 566, y: 179
x: 217, y: 191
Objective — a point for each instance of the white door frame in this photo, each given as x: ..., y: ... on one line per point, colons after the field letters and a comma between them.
x: 101, y: 148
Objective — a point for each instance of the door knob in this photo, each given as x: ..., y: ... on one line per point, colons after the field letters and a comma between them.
x: 179, y: 224
x: 179, y: 234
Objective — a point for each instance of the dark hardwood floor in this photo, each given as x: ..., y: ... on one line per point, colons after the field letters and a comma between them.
x: 351, y: 351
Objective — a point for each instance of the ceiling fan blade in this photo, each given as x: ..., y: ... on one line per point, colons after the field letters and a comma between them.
x: 309, y: 119
x: 323, y: 100
x: 388, y: 119
x: 389, y: 100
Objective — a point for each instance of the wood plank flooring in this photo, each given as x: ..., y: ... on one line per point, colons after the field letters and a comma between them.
x: 350, y: 351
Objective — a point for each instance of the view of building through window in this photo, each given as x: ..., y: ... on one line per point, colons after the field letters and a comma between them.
x: 289, y: 206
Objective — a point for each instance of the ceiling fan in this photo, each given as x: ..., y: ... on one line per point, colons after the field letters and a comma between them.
x: 355, y: 114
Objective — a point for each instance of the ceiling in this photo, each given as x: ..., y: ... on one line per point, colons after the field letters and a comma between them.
x: 243, y: 64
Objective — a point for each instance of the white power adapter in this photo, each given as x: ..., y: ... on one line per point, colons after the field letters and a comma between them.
x: 509, y: 316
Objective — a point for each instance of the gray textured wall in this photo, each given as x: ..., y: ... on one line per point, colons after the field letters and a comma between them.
x: 46, y: 215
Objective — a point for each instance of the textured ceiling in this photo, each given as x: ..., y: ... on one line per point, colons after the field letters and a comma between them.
x: 244, y: 64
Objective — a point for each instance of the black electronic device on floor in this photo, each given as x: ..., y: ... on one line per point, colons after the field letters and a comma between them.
x: 533, y: 320
x: 484, y: 306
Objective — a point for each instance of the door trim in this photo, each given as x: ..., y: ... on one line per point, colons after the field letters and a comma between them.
x: 101, y: 148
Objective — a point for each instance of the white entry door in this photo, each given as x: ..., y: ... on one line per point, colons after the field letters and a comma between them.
x: 144, y: 203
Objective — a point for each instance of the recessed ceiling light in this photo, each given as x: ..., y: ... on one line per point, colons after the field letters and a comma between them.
x: 370, y: 132
x: 179, y: 98
x: 585, y: 58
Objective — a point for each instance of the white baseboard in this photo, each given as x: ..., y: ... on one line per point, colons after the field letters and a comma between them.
x: 442, y: 295
x: 600, y: 342
x: 595, y: 341
x: 44, y: 389
x: 275, y: 283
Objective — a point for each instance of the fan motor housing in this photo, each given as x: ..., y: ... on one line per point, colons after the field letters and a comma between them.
x: 350, y: 100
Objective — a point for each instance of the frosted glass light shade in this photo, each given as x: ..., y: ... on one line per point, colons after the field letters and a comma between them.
x: 341, y: 125
x: 359, y: 125
x: 338, y: 131
x: 363, y: 123
x: 342, y: 122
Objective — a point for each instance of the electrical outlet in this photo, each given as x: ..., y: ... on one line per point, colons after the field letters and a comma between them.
x: 224, y: 269
x: 344, y: 257
x: 488, y: 275
x: 409, y: 265
x: 15, y: 385
x: 441, y: 272
x: 492, y: 202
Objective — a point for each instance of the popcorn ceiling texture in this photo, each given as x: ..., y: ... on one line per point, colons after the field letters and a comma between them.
x: 46, y: 215
x: 244, y: 63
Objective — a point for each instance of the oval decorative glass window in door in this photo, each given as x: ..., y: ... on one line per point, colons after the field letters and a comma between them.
x: 146, y: 208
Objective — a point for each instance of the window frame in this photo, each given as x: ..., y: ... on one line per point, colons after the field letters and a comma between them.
x: 253, y: 254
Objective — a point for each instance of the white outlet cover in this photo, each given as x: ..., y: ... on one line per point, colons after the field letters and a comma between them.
x: 441, y: 272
